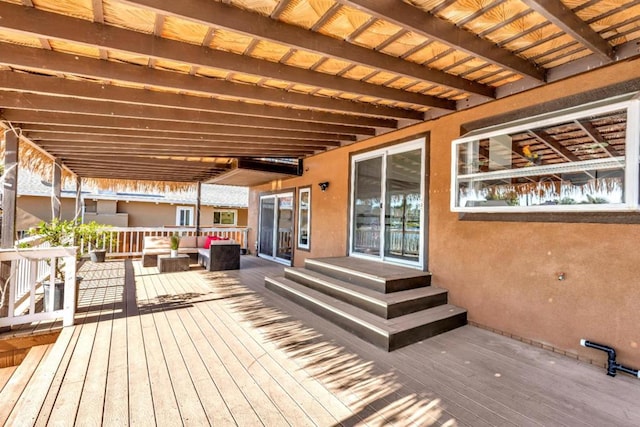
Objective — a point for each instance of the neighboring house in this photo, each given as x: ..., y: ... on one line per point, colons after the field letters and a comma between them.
x: 220, y: 206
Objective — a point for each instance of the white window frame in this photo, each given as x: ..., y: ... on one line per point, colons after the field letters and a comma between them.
x: 384, y: 153
x: 179, y: 210
x: 221, y: 211
x: 302, y: 245
x: 630, y: 162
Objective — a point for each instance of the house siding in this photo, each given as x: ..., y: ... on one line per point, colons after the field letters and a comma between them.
x: 504, y: 273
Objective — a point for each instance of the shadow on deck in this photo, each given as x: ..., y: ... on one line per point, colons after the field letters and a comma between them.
x: 217, y: 348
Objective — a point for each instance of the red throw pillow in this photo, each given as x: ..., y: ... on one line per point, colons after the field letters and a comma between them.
x: 215, y: 238
x: 207, y: 243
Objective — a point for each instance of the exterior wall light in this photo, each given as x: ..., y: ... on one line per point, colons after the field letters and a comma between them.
x: 324, y: 185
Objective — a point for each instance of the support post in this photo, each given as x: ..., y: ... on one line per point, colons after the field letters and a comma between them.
x: 56, y: 189
x: 197, y: 215
x: 78, y: 217
x: 10, y: 189
x: 9, y: 202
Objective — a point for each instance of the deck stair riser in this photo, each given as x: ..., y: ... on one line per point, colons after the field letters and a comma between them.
x: 372, y: 281
x: 387, y: 305
x: 384, y: 305
x: 388, y: 334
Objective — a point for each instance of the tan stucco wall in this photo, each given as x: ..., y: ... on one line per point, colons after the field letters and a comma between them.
x: 504, y: 274
x: 33, y: 209
x: 142, y: 214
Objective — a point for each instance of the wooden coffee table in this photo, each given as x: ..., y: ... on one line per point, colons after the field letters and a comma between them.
x: 169, y: 264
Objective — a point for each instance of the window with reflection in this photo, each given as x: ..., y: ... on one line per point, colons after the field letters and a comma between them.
x: 579, y: 159
x: 304, y: 217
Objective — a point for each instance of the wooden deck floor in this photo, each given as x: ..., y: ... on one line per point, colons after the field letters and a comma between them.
x: 199, y: 348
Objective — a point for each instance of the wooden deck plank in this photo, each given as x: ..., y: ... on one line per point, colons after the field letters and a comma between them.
x: 208, y: 394
x: 374, y: 401
x: 296, y: 338
x: 28, y: 408
x: 141, y: 409
x: 300, y: 407
x: 92, y: 399
x: 231, y: 394
x: 191, y: 409
x: 460, y: 407
x: 255, y: 353
x: 165, y: 405
x: 5, y: 375
x: 261, y: 399
x: 116, y: 406
x: 232, y: 352
x: 18, y: 382
x: 560, y: 399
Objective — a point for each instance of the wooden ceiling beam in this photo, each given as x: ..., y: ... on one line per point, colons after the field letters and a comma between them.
x: 57, y: 147
x: 152, y: 164
x: 173, y: 140
x: 56, y: 62
x: 55, y: 26
x: 37, y: 102
x: 47, y: 85
x: 151, y: 142
x: 141, y: 150
x: 430, y: 26
x: 251, y: 24
x: 564, y: 18
x: 81, y: 120
x: 122, y: 174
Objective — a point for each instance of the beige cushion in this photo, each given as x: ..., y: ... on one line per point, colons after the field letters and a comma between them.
x: 201, y: 240
x: 188, y: 242
x: 157, y: 242
x: 223, y: 242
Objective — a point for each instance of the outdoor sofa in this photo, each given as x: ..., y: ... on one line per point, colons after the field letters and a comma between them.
x: 211, y: 252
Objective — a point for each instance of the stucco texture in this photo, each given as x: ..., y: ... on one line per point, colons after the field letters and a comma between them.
x: 504, y: 273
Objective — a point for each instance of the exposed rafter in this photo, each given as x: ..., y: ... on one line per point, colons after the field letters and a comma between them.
x: 231, y: 18
x: 83, y: 120
x: 18, y: 56
x: 32, y: 83
x: 38, y: 102
x: 561, y: 16
x: 59, y: 27
x: 407, y: 16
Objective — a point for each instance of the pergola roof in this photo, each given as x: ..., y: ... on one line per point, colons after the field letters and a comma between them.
x: 177, y: 90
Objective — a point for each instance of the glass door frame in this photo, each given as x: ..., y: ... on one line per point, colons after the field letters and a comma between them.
x: 276, y: 219
x: 383, y: 153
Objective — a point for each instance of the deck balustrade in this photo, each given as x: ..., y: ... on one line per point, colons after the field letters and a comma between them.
x: 27, y: 271
x: 128, y: 241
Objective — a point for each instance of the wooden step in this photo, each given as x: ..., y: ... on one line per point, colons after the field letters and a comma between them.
x: 15, y: 386
x: 378, y: 276
x: 388, y: 334
x: 15, y: 346
x: 388, y: 305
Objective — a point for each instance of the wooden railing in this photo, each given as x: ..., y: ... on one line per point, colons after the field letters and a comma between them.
x: 128, y: 241
x: 398, y: 242
x: 26, y: 273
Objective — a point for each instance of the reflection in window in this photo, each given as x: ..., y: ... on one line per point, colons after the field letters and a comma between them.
x: 304, y: 217
x: 224, y: 217
x: 571, y: 160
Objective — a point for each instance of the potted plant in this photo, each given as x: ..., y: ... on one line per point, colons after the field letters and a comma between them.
x: 95, y: 237
x: 174, y: 245
x: 56, y: 233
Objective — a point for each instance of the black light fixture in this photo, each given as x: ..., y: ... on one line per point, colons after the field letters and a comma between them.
x: 324, y: 185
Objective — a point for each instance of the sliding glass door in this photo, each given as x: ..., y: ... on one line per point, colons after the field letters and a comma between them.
x: 387, y: 204
x: 276, y: 227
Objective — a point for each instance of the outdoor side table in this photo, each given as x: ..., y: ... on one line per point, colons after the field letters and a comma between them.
x: 169, y: 264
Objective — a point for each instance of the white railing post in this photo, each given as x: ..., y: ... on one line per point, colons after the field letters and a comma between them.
x: 69, y: 306
x: 24, y: 284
